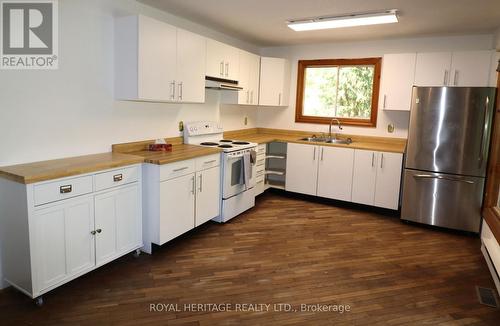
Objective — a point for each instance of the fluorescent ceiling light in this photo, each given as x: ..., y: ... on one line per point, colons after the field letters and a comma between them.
x: 385, y: 17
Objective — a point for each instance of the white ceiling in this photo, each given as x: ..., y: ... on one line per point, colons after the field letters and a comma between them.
x: 262, y: 22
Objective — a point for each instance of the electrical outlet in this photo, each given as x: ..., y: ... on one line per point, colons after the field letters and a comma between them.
x: 246, y: 121
x: 181, y: 126
x: 390, y: 128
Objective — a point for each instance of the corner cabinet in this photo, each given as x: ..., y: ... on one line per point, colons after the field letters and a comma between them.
x: 222, y: 60
x: 157, y: 62
x: 179, y: 197
x: 274, y: 82
x: 54, y: 231
x: 376, y: 178
x: 466, y: 68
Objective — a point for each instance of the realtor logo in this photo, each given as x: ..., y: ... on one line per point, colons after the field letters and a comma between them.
x: 29, y: 38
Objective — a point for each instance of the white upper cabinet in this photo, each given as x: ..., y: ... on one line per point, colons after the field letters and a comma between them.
x: 249, y: 73
x: 470, y: 68
x: 398, y: 75
x: 302, y: 168
x: 222, y: 60
x: 155, y: 61
x: 274, y: 81
x: 433, y: 69
x: 191, y: 49
x: 335, y: 172
x: 467, y: 68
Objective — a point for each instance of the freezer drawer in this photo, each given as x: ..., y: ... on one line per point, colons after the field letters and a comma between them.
x: 446, y: 200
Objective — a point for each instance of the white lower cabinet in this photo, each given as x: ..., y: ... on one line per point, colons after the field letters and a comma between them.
x: 335, y: 172
x: 179, y: 197
x: 176, y: 207
x: 63, y: 243
x: 302, y: 168
x: 377, y: 178
x: 50, y: 240
x: 117, y: 223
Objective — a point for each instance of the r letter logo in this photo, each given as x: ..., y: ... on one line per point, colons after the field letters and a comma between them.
x: 29, y: 34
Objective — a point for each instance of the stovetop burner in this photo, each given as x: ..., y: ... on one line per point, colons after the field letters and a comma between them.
x: 226, y: 141
x: 240, y: 143
x: 208, y: 143
x: 225, y: 146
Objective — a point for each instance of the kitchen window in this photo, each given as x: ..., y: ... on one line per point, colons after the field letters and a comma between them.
x: 346, y: 89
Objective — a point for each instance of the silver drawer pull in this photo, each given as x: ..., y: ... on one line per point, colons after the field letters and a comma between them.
x: 180, y: 169
x: 208, y: 162
x: 440, y: 177
x: 118, y: 177
x: 65, y: 189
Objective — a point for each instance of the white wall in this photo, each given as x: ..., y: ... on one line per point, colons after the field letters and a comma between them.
x: 71, y: 111
x: 284, y: 118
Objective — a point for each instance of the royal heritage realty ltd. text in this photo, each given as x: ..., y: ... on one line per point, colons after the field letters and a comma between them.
x: 247, y: 307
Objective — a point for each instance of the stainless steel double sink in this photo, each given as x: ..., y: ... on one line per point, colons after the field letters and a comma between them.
x: 313, y: 139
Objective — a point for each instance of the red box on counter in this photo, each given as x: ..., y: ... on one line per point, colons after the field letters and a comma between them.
x: 160, y: 147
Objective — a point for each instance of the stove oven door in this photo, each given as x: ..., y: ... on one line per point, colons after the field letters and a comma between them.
x: 234, y: 182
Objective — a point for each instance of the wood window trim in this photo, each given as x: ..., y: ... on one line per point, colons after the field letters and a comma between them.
x: 303, y: 64
x: 491, y: 213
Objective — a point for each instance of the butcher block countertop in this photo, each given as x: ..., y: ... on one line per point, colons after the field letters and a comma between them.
x: 179, y: 152
x: 54, y: 169
x: 264, y: 135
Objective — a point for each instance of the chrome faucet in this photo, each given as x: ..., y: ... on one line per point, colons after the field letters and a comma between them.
x: 330, y: 127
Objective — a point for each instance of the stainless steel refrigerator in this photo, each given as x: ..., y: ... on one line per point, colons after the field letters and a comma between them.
x: 446, y: 156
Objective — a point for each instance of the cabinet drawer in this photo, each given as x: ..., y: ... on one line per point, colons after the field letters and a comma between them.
x: 62, y: 189
x: 206, y: 162
x: 116, y: 178
x: 177, y: 169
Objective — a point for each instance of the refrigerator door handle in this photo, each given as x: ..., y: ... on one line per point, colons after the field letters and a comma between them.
x: 440, y: 177
x: 484, y: 142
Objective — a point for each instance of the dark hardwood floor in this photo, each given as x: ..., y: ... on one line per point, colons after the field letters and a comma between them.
x: 285, y: 250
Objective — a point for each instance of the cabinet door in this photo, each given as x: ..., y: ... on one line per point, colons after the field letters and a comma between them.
x: 231, y: 59
x: 118, y: 218
x: 433, y: 69
x: 335, y: 172
x: 398, y: 75
x: 177, y: 198
x: 157, y: 60
x: 191, y: 56
x: 388, y: 180
x: 245, y: 63
x: 215, y: 59
x: 364, y: 176
x: 208, y: 196
x: 470, y: 68
x: 302, y: 168
x: 272, y: 71
x: 254, y: 79
x: 64, y: 245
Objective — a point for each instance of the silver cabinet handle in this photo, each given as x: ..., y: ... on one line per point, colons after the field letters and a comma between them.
x: 445, y: 81
x: 98, y: 230
x: 221, y: 68
x: 279, y: 99
x: 455, y: 78
x: 251, y: 97
x: 385, y: 100
x: 382, y: 161
x: 65, y: 189
x: 92, y: 232
x: 373, y: 158
x: 227, y: 69
x: 193, y: 181
x: 180, y: 169
x: 314, y: 154
x: 201, y: 182
x: 322, y: 149
x: 180, y: 91
x: 211, y: 161
x: 118, y: 177
x: 173, y: 89
x: 486, y: 126
x: 248, y: 96
x: 440, y: 177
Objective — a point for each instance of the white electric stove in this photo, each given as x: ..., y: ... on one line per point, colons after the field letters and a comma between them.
x: 238, y: 192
